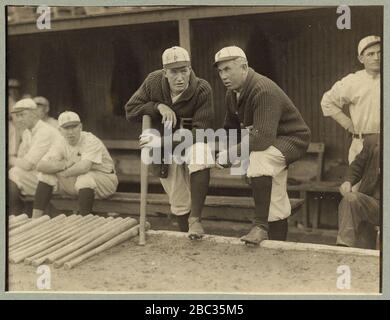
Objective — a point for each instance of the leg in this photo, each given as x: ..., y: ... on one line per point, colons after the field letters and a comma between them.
x: 261, y: 191
x: 354, y: 208
x: 42, y: 198
x: 278, y: 230
x: 182, y: 221
x: 15, y: 205
x: 86, y: 198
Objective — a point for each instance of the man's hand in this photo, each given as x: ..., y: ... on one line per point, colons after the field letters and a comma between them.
x: 168, y: 115
x: 351, y: 129
x: 149, y: 140
x: 345, y: 188
x: 222, y: 160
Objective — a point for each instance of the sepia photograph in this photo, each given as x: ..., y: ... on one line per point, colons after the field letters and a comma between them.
x: 194, y: 149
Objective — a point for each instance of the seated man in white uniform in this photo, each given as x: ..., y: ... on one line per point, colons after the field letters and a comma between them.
x: 43, y: 109
x: 37, y: 138
x: 77, y: 164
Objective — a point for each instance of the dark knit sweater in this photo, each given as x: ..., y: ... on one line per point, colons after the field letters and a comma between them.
x: 275, y: 119
x: 196, y: 101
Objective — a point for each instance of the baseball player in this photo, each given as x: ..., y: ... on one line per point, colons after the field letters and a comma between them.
x: 36, y: 141
x: 168, y: 96
x: 360, y: 91
x: 43, y: 109
x: 278, y: 136
x: 361, y: 205
x: 14, y: 129
x: 77, y: 164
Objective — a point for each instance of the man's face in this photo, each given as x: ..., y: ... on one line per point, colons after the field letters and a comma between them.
x: 232, y: 74
x: 71, y: 133
x: 26, y: 119
x: 42, y: 111
x: 178, y: 78
x: 371, y: 58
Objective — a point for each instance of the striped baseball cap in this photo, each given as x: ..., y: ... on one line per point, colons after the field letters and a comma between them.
x: 367, y: 42
x: 229, y: 53
x: 175, y: 57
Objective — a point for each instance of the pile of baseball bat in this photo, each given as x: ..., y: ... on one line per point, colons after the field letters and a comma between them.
x: 65, y: 240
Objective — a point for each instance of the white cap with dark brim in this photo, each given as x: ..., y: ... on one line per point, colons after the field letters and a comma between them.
x: 367, y: 42
x: 175, y: 57
x: 24, y: 104
x: 68, y: 118
x: 229, y: 53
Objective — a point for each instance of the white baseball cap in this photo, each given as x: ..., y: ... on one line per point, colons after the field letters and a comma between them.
x: 68, y: 118
x: 24, y: 104
x: 229, y: 53
x: 367, y: 42
x: 175, y: 57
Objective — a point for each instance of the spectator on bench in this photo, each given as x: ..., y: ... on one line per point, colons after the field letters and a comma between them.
x: 37, y: 138
x: 77, y: 164
x: 363, y: 205
x: 43, y: 109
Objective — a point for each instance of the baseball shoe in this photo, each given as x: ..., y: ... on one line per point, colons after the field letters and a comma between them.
x: 195, y: 229
x: 255, y: 236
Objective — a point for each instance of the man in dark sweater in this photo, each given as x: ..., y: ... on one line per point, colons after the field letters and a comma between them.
x: 278, y: 136
x: 363, y: 205
x: 169, y: 95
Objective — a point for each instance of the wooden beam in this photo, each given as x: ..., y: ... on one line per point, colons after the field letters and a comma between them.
x: 147, y: 16
x: 185, y: 34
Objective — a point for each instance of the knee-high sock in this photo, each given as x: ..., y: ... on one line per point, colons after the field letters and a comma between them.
x: 86, y: 197
x: 261, y: 190
x: 182, y: 221
x: 199, y: 182
x: 278, y: 230
x: 15, y: 205
x: 42, y: 196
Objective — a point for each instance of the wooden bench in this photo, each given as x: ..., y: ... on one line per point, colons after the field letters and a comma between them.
x: 216, y: 207
x: 305, y: 175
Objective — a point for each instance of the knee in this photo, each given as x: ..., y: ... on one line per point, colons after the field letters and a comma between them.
x: 85, y: 181
x: 50, y: 179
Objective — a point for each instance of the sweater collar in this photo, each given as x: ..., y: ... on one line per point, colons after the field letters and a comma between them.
x: 245, y: 87
x: 186, y: 94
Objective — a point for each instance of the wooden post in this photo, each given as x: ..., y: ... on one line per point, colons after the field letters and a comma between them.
x: 185, y: 34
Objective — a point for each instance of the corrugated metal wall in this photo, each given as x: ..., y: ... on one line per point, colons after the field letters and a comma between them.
x: 303, y: 52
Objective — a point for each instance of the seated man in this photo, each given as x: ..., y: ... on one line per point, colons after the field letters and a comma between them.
x: 77, y: 164
x: 168, y: 96
x: 278, y: 137
x: 37, y: 138
x: 43, y: 109
x: 363, y: 205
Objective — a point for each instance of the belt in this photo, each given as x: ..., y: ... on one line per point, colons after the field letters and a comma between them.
x: 362, y: 135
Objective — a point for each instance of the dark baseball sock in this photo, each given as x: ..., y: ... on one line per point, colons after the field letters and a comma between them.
x: 278, y: 230
x: 15, y: 205
x: 199, y: 182
x: 261, y: 190
x: 42, y: 196
x: 86, y: 198
x: 182, y: 221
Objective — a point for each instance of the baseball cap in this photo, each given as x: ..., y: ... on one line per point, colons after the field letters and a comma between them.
x: 367, y: 42
x: 175, y: 57
x: 13, y: 83
x: 41, y: 101
x: 68, y: 118
x: 24, y: 104
x: 229, y: 53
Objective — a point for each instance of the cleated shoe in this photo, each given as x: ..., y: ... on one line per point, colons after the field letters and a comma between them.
x: 255, y: 236
x: 195, y: 231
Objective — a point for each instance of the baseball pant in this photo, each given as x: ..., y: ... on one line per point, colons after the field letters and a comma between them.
x: 177, y: 183
x: 355, y: 208
x: 26, y: 181
x: 104, y: 184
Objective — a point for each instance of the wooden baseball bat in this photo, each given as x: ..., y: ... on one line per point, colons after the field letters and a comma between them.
x: 146, y: 124
x: 29, y: 225
x: 65, y: 239
x: 88, y: 245
x: 19, y: 217
x: 107, y: 245
x: 78, y: 243
x: 19, y: 223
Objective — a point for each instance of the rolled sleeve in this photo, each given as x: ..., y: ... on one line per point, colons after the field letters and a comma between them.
x: 333, y: 100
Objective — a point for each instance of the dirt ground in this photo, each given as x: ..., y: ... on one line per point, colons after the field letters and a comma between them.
x: 169, y: 264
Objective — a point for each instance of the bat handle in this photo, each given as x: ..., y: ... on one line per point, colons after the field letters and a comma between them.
x: 146, y: 124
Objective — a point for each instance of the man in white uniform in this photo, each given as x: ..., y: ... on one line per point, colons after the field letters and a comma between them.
x: 360, y: 91
x: 36, y: 141
x: 77, y: 164
x: 43, y: 109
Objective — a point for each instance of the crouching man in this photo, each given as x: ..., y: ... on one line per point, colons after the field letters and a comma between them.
x: 363, y: 205
x: 278, y: 136
x: 78, y: 164
x: 37, y: 138
x: 168, y: 96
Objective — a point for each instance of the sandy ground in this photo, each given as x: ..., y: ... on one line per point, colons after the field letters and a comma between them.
x: 169, y: 264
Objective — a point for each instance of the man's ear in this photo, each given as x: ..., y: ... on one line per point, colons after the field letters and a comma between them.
x: 164, y: 72
x: 360, y: 58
